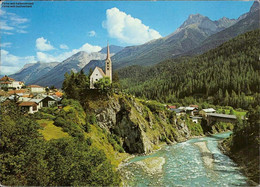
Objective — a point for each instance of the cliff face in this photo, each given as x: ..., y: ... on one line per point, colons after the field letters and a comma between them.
x: 140, y: 126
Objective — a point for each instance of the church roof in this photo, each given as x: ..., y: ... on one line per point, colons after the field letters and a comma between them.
x: 101, y: 71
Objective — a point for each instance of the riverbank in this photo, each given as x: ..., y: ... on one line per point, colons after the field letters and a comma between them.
x: 243, y: 158
x: 205, y: 154
x: 158, y: 148
x: 196, y: 162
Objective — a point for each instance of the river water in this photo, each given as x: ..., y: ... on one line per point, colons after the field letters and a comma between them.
x: 185, y: 164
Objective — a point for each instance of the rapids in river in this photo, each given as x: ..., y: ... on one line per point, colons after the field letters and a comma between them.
x: 196, y: 162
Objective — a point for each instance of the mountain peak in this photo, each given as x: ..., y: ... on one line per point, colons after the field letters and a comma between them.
x: 255, y: 6
x: 194, y: 19
x: 192, y: 16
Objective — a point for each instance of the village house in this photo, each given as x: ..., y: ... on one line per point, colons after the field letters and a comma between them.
x: 170, y: 107
x: 9, y: 83
x: 208, y: 110
x: 36, y: 89
x: 38, y: 102
x: 28, y: 107
x: 21, y: 91
x: 49, y: 101
x: 196, y: 106
x: 98, y: 73
x: 189, y: 110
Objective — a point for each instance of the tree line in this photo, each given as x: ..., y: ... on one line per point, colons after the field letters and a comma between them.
x: 228, y: 75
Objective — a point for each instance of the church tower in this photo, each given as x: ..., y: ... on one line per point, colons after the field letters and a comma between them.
x: 108, y: 64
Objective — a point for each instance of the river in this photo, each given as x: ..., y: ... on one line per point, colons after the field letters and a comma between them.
x: 196, y: 162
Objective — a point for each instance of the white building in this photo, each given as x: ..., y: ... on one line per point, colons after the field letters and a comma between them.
x: 95, y: 76
x: 98, y: 72
x: 9, y: 83
x: 29, y: 107
x: 38, y: 102
x: 209, y: 110
x: 36, y: 89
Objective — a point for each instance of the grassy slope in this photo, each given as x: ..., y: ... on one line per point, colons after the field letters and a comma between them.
x: 100, y: 141
x: 97, y: 135
x: 50, y: 131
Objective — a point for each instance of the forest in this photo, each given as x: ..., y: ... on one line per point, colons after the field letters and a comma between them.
x: 227, y: 75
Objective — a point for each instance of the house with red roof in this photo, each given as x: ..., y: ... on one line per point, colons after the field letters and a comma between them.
x: 170, y: 107
x: 9, y: 83
x: 29, y: 107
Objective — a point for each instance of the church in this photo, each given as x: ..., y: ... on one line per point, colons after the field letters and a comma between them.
x: 98, y: 72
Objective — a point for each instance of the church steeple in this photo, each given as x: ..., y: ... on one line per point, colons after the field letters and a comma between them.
x: 108, y: 52
x: 108, y: 64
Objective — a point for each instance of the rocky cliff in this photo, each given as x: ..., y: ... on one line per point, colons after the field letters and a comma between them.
x: 141, y: 125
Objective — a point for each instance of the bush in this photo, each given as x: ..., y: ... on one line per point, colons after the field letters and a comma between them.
x: 91, y: 118
x: 115, y: 142
x: 42, y: 115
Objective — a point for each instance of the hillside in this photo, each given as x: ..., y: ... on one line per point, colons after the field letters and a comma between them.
x: 188, y: 36
x: 113, y: 49
x: 230, y: 69
x: 30, y: 72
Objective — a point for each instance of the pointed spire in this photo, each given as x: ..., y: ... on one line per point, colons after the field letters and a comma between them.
x: 108, y: 53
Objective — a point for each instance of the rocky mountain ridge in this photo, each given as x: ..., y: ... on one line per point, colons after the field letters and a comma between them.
x: 30, y: 72
x: 188, y: 36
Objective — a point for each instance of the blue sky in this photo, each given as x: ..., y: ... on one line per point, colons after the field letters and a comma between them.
x: 53, y: 30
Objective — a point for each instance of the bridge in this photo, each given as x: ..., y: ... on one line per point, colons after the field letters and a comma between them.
x: 214, y: 117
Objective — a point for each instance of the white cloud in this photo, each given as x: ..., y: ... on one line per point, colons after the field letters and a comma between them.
x: 12, y: 22
x: 4, y: 26
x: 92, y: 33
x: 44, y: 57
x: 64, y: 46
x: 17, y: 20
x: 89, y: 48
x: 11, y: 63
x: 21, y: 31
x: 6, y: 44
x: 128, y: 29
x: 43, y: 45
x: 7, y: 33
x: 6, y: 70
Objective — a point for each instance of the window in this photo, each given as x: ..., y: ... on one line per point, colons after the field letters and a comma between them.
x: 96, y: 79
x: 107, y: 68
x: 51, y: 103
x: 96, y: 74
